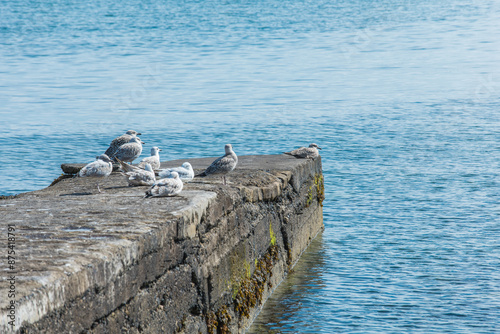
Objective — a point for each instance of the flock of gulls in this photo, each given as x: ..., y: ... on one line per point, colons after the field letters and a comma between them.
x: 124, y: 149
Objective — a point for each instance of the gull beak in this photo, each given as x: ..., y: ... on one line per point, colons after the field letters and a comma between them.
x: 319, y: 148
x: 138, y: 133
x: 142, y: 142
x: 160, y: 149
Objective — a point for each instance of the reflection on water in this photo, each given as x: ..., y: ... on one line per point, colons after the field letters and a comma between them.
x: 287, y: 302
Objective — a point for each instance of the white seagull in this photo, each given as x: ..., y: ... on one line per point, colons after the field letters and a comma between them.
x: 130, y: 151
x: 223, y: 165
x: 185, y: 172
x: 166, y: 187
x: 137, y: 176
x: 310, y: 152
x: 100, y: 168
x: 153, y: 160
x: 119, y: 141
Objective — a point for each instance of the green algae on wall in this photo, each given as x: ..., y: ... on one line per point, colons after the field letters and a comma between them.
x: 248, y: 292
x: 319, y: 187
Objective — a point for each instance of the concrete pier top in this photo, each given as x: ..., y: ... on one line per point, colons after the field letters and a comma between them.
x: 70, y: 239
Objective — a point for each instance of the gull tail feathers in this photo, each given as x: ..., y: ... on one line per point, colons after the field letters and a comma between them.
x: 124, y: 166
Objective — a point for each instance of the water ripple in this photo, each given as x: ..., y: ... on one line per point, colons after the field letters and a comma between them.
x: 402, y: 96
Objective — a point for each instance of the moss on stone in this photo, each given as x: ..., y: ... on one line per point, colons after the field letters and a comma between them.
x: 223, y: 320
x: 212, y: 322
x: 309, y: 196
x: 320, y: 188
x: 289, y: 258
x: 271, y: 234
x: 252, y: 289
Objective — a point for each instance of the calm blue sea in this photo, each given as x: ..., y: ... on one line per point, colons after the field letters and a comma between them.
x: 403, y: 96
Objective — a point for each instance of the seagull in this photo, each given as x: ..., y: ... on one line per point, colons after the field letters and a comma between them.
x: 223, y: 165
x: 130, y: 151
x: 137, y: 176
x: 166, y: 187
x: 102, y: 167
x: 153, y: 160
x: 119, y: 141
x: 310, y: 152
x: 185, y: 172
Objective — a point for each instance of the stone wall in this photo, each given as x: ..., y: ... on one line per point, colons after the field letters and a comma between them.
x: 201, y: 262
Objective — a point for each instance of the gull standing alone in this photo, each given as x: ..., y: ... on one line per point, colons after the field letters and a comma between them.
x: 137, y: 176
x: 185, y: 172
x: 153, y: 160
x: 119, y: 141
x: 310, y: 152
x: 100, y: 168
x: 130, y: 151
x: 166, y: 187
x: 223, y: 165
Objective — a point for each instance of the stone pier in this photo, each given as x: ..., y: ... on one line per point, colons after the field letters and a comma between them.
x: 115, y: 262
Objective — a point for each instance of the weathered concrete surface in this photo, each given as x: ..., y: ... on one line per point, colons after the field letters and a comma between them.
x: 199, y: 262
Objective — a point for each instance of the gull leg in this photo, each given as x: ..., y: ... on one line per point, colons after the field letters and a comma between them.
x: 224, y: 178
x: 98, y: 187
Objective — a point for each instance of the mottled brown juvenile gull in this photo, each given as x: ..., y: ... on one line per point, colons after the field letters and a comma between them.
x: 137, y: 176
x: 119, y: 141
x: 102, y: 167
x: 310, y: 152
x: 223, y: 165
x: 130, y: 151
x: 185, y: 172
x: 166, y: 187
x: 153, y: 160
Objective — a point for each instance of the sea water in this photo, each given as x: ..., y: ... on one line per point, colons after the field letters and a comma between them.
x: 403, y: 97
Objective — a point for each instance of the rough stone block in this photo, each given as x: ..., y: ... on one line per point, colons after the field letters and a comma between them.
x: 200, y: 262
